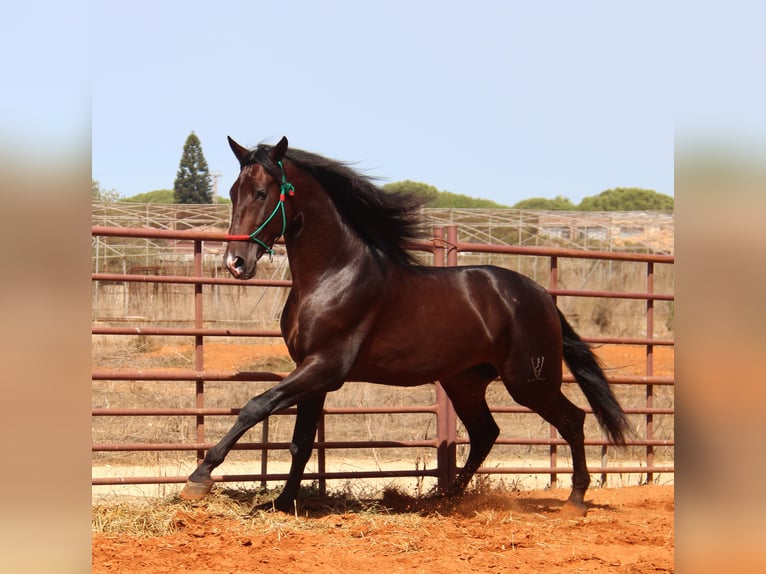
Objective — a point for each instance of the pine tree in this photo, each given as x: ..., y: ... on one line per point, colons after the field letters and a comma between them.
x: 193, y: 184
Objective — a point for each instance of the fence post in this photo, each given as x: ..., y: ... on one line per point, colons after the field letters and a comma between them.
x: 553, y: 454
x: 452, y: 245
x: 321, y: 454
x: 199, y: 349
x: 446, y: 419
x: 446, y: 429
x: 649, y: 370
x: 440, y: 258
x: 264, y: 451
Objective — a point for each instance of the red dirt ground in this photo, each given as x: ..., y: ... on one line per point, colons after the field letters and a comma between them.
x: 627, y: 530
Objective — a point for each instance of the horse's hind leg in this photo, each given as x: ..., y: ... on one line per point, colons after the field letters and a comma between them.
x: 467, y: 393
x: 304, y: 434
x: 568, y: 420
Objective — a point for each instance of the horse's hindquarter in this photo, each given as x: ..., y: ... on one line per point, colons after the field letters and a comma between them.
x: 440, y: 321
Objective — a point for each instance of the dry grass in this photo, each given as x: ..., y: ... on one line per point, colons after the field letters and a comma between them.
x: 239, y: 509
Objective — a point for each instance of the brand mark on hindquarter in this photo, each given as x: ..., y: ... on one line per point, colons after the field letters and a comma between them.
x: 537, y: 368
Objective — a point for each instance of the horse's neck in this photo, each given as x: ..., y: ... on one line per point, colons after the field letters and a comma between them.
x: 319, y: 242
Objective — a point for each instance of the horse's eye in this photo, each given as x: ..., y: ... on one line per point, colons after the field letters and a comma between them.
x: 260, y: 194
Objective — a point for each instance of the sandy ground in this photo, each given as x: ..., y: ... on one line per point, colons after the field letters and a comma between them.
x: 627, y: 530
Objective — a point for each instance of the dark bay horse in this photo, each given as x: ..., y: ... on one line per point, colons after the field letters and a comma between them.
x: 362, y: 309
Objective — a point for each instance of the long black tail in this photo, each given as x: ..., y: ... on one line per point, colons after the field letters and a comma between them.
x: 587, y: 371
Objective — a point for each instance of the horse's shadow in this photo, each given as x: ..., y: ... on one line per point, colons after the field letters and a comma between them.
x: 313, y: 504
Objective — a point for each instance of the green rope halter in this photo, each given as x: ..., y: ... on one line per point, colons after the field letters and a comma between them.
x: 285, y: 188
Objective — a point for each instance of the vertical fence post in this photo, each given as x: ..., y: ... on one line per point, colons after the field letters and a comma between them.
x: 552, y: 433
x: 199, y: 349
x: 446, y: 430
x: 264, y: 451
x: 452, y: 245
x: 649, y: 370
x: 446, y: 419
x: 97, y: 287
x: 321, y: 454
x: 440, y: 258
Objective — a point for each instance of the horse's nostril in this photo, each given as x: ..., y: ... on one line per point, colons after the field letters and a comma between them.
x: 235, y: 264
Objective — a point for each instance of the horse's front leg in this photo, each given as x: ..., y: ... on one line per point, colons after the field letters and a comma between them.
x: 306, y: 422
x: 200, y: 482
x: 309, y: 381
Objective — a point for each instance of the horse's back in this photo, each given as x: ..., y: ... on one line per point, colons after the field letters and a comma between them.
x: 432, y: 321
x: 486, y: 289
x: 508, y: 304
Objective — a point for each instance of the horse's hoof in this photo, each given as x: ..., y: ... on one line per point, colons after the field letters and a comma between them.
x: 573, y: 510
x: 195, y: 490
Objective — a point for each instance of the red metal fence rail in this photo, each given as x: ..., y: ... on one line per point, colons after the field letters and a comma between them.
x: 444, y: 248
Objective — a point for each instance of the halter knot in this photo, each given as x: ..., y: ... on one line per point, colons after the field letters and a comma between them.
x: 285, y: 188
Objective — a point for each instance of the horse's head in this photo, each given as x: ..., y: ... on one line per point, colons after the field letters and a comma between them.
x: 258, y: 215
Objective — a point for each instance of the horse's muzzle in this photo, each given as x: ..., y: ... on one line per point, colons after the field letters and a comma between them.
x: 238, y: 267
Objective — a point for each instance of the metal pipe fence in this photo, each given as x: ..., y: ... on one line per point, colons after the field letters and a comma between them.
x: 444, y: 249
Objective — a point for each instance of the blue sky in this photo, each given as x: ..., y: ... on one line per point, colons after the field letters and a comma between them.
x: 493, y: 99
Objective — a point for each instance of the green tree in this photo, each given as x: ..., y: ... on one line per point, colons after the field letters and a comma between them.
x: 100, y: 194
x: 460, y: 201
x: 193, y: 183
x: 427, y: 193
x: 627, y: 199
x: 156, y: 196
x: 559, y: 203
x: 432, y: 197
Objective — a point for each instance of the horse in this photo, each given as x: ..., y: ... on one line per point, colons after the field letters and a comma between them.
x: 361, y: 308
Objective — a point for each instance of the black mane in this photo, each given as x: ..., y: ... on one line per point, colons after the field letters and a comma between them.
x: 385, y: 221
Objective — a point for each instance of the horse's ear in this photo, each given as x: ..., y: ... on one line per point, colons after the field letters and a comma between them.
x: 279, y: 150
x: 239, y: 151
